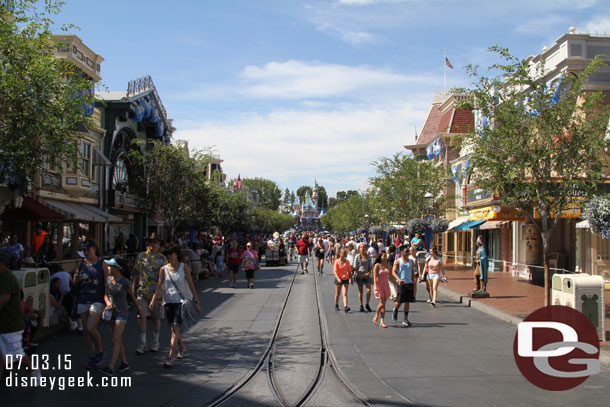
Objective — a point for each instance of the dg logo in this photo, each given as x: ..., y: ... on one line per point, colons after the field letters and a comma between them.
x: 556, y: 348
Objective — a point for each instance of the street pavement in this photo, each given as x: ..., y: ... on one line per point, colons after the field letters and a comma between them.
x: 453, y: 355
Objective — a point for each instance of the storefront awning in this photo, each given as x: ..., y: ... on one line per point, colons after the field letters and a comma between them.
x: 583, y: 224
x: 76, y: 211
x: 495, y: 224
x: 457, y: 222
x: 98, y: 158
x: 31, y: 209
x: 471, y: 224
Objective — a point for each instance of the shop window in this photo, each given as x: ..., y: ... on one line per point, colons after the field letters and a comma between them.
x: 603, y: 249
x: 86, y: 158
x: 68, y: 241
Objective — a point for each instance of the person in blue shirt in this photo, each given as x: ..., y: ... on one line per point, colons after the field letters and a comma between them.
x: 404, y: 273
x: 418, y: 242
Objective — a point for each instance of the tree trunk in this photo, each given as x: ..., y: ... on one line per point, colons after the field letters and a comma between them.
x: 546, y: 237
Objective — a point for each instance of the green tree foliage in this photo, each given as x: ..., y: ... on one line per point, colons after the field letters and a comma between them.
x: 301, y: 191
x: 270, y: 221
x: 541, y: 152
x: 176, y: 185
x: 348, y: 215
x: 228, y: 210
x: 322, y: 198
x: 400, y: 186
x: 41, y: 97
x: 269, y: 194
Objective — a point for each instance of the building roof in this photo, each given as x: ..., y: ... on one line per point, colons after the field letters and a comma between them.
x: 463, y: 121
x: 430, y: 129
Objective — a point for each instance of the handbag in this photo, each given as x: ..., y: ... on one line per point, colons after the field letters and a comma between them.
x: 188, y: 311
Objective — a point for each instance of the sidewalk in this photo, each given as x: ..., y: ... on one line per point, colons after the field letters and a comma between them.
x: 512, y: 298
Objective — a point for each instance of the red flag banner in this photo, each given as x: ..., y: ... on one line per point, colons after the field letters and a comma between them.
x: 448, y: 63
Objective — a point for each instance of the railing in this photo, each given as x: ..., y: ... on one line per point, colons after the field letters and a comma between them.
x: 143, y: 84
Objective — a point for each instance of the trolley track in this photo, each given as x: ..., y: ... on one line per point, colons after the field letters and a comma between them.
x: 326, y: 360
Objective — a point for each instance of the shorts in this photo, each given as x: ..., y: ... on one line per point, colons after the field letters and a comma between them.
x: 250, y: 274
x: 156, y: 313
x: 303, y: 258
x: 405, y: 293
x: 10, y: 344
x: 173, y: 311
x: 320, y: 256
x: 343, y: 282
x: 96, y: 308
x: 119, y: 318
x: 433, y: 276
x: 361, y: 281
x: 233, y: 268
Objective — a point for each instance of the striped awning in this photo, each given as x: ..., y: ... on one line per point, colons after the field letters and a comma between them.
x: 471, y: 224
x: 583, y: 224
x: 495, y: 224
x: 457, y: 222
x: 82, y: 212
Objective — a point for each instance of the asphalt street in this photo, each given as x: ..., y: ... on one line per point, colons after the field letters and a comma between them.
x: 452, y: 355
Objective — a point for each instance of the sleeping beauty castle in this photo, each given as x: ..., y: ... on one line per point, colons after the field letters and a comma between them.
x: 307, y: 213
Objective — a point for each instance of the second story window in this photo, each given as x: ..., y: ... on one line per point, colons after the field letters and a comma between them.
x: 86, y: 156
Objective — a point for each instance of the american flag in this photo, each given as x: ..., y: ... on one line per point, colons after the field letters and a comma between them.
x: 448, y: 63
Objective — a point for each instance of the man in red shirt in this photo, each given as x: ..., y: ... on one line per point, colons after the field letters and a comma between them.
x: 233, y: 261
x: 38, y: 238
x: 303, y: 247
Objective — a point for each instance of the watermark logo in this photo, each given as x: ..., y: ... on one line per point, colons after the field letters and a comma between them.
x: 556, y: 348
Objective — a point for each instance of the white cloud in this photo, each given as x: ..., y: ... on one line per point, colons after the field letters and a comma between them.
x: 600, y: 24
x: 299, y: 79
x: 289, y: 146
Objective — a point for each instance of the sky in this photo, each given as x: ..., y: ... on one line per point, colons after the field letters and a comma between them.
x: 302, y: 90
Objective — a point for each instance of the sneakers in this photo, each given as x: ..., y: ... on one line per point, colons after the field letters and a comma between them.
x: 368, y: 308
x: 99, y: 359
x: 429, y: 301
x: 155, y: 347
x: 169, y: 362
x: 336, y: 307
x: 406, y: 322
x: 181, y: 353
x: 141, y: 349
x: 123, y: 368
x: 347, y: 309
x: 90, y: 363
x: 107, y: 371
x: 433, y: 303
x: 251, y: 285
x: 361, y: 308
x: 395, y: 314
x: 302, y: 272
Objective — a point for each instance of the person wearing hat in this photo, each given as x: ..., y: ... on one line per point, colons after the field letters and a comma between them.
x: 118, y: 286
x: 481, y: 266
x: 146, y: 276
x: 12, y: 324
x: 90, y: 283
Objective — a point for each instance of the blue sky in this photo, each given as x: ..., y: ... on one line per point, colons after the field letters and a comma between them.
x: 293, y: 90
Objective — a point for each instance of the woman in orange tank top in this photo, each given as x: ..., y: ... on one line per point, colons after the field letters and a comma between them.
x: 342, y: 271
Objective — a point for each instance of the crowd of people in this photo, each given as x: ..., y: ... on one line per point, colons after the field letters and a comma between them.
x: 158, y: 282
x: 389, y: 271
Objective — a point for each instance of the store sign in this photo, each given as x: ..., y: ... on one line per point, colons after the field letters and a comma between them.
x: 477, y: 194
x: 572, y: 211
x: 488, y: 213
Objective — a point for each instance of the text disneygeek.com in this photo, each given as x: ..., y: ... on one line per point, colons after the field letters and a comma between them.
x: 18, y: 377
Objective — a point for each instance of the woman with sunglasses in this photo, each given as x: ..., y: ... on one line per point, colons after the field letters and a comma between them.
x: 118, y: 287
x: 434, y: 268
x: 174, y: 287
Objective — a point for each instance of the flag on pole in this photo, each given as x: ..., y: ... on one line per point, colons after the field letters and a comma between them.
x: 448, y: 63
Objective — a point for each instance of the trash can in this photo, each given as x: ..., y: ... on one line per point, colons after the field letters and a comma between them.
x: 43, y: 290
x: 584, y: 293
x: 28, y: 280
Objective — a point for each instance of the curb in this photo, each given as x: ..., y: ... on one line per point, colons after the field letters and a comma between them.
x: 604, y: 356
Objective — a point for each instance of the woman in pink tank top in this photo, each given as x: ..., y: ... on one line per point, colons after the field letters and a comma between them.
x: 381, y: 274
x: 434, y: 269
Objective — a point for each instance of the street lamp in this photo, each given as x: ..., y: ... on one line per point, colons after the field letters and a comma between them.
x: 429, y: 204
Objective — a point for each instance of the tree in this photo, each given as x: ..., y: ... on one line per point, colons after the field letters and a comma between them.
x: 175, y: 184
x: 401, y: 184
x: 228, y: 210
x: 286, y: 201
x: 348, y: 215
x: 269, y: 194
x: 332, y: 202
x: 544, y: 149
x: 322, y: 198
x: 42, y: 98
x: 302, y: 191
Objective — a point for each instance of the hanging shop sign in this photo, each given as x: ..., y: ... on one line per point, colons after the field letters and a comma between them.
x: 496, y: 213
